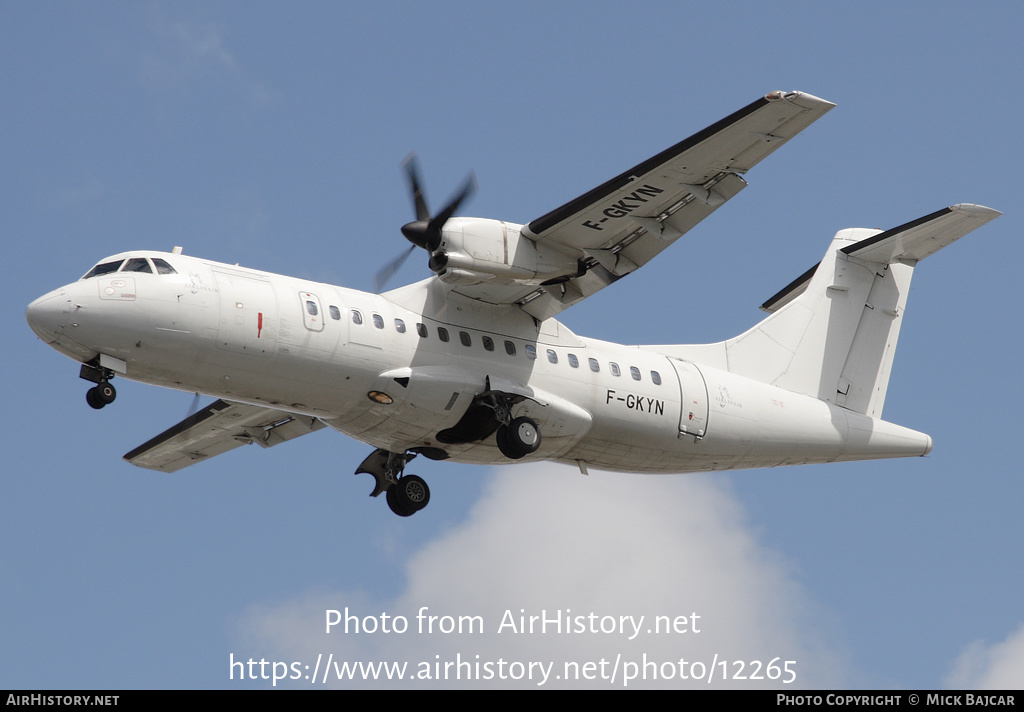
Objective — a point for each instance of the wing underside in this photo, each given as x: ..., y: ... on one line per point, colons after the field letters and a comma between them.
x: 217, y: 428
x: 625, y: 222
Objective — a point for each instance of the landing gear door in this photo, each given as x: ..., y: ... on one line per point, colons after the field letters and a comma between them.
x: 693, y: 417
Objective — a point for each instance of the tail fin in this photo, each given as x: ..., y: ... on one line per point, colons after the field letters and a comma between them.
x: 832, y: 332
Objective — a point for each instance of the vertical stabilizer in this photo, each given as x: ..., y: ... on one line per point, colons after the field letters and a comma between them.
x: 832, y: 332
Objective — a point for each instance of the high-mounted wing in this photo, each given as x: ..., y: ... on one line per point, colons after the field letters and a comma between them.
x: 622, y: 224
x: 217, y: 428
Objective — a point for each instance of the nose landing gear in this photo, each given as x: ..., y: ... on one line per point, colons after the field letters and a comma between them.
x: 102, y: 393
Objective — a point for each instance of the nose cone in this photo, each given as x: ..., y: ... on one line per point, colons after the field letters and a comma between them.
x: 48, y: 315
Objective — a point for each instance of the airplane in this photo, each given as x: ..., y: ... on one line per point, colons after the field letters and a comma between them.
x: 471, y: 365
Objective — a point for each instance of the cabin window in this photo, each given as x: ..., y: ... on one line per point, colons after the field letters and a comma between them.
x: 656, y: 377
x: 510, y: 348
x: 488, y: 343
x: 335, y: 312
x: 311, y: 308
x: 442, y: 333
x: 105, y: 268
x: 421, y: 329
x: 573, y: 361
x: 137, y: 264
x: 378, y: 321
x: 614, y: 368
x: 552, y: 356
x: 465, y: 339
x: 162, y: 267
x: 594, y: 365
x: 399, y: 326
x: 357, y: 317
x: 634, y: 372
x: 531, y: 352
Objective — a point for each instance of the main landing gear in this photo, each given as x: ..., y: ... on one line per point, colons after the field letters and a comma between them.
x: 405, y: 494
x: 516, y: 437
x: 102, y: 393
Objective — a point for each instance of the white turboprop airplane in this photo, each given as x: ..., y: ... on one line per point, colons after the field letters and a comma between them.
x: 471, y: 364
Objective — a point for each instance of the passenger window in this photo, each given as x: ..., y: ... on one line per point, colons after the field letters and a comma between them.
x: 614, y: 368
x: 137, y: 264
x: 656, y: 377
x: 399, y: 326
x: 465, y: 339
x: 162, y: 267
x: 442, y: 333
x: 105, y: 268
x: 634, y: 372
x: 573, y: 361
x: 594, y: 365
x: 531, y: 352
x: 552, y: 356
x: 421, y: 329
x: 510, y: 348
x: 335, y: 312
x: 311, y: 308
x: 357, y: 317
x: 378, y: 321
x: 488, y: 343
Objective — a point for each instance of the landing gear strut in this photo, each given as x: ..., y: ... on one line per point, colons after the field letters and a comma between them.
x: 405, y: 494
x: 102, y: 393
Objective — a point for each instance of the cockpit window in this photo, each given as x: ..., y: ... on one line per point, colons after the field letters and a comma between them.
x: 162, y: 267
x: 103, y: 268
x: 137, y: 264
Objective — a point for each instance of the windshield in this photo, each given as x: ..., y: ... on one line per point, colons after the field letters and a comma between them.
x: 103, y: 268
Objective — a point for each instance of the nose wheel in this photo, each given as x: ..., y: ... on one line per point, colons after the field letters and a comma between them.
x: 100, y: 395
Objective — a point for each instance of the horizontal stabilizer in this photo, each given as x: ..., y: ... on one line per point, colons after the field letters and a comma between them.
x: 909, y: 243
x: 217, y: 428
x: 919, y: 238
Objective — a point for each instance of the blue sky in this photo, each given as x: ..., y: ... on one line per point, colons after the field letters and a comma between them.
x: 272, y: 135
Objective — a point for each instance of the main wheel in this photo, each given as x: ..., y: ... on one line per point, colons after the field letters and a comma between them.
x: 408, y: 496
x: 392, y: 499
x: 412, y: 492
x: 519, y: 438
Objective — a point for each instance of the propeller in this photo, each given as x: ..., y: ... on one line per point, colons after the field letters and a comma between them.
x: 192, y: 409
x: 424, y: 231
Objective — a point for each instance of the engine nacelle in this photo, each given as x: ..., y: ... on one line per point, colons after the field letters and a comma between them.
x: 475, y: 250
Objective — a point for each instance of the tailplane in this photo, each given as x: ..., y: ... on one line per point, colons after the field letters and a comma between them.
x: 832, y: 332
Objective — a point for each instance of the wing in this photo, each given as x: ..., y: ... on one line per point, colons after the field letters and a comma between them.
x: 219, y: 427
x: 622, y: 224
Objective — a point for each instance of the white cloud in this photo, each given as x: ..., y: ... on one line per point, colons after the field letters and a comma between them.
x: 185, y: 51
x: 995, y: 667
x: 547, y: 539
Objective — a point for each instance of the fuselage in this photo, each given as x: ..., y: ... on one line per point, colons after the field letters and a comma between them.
x: 397, y: 369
